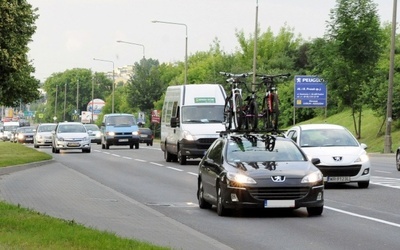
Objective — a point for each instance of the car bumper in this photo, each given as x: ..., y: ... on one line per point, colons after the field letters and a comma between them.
x: 195, y: 149
x: 122, y: 140
x: 346, y: 174
x: 305, y: 196
x: 72, y: 145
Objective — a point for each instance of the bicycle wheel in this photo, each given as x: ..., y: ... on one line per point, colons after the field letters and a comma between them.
x: 252, y: 116
x: 238, y: 112
x: 228, y: 114
x: 265, y: 114
x: 274, y: 116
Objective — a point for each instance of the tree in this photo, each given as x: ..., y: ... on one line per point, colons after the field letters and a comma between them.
x: 145, y: 85
x: 351, y: 53
x: 16, y: 29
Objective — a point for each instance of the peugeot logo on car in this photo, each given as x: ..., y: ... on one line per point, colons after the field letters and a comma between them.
x: 278, y: 178
x: 337, y: 158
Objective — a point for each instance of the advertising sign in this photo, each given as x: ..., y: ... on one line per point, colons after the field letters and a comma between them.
x: 95, y: 106
x: 309, y: 92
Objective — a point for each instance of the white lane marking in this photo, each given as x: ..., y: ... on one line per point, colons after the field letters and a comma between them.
x: 140, y: 160
x: 128, y: 158
x: 385, y: 172
x: 157, y: 164
x: 107, y: 153
x: 115, y: 155
x: 364, y: 217
x: 386, y: 181
x: 177, y: 169
x: 195, y: 174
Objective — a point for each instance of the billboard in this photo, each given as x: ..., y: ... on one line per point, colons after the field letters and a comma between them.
x: 95, y: 106
x: 309, y: 92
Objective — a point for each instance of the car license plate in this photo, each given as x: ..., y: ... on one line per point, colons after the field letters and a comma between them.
x: 123, y: 140
x: 29, y: 139
x: 278, y: 203
x: 73, y: 144
x: 338, y: 179
x: 143, y: 135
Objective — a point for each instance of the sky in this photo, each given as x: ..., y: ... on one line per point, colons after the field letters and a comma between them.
x: 70, y: 33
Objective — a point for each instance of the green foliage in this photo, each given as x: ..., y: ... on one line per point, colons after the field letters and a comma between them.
x: 17, y: 20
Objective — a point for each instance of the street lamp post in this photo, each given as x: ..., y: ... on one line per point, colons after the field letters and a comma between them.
x: 113, y: 84
x: 186, y: 42
x: 65, y: 99
x: 138, y: 44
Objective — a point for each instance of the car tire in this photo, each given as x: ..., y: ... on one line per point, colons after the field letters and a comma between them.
x: 398, y: 161
x: 203, y: 204
x: 151, y: 143
x: 221, y: 210
x: 137, y: 145
x: 86, y: 150
x: 315, y: 211
x: 57, y: 151
x: 167, y: 155
x: 181, y: 158
x: 35, y: 146
x: 131, y: 146
x: 363, y: 184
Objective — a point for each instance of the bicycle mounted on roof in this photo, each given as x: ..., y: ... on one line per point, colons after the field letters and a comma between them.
x: 233, y: 113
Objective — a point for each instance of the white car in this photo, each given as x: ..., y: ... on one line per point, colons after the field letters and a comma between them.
x: 43, y: 134
x: 343, y: 158
x: 70, y: 135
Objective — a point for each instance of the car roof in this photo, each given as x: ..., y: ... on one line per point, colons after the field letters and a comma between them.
x: 118, y: 114
x: 320, y: 126
x: 71, y: 123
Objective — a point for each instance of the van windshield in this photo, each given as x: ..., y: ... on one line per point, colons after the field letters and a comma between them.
x: 203, y: 114
x: 121, y: 121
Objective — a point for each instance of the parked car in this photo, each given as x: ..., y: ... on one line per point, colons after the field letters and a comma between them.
x: 343, y: 158
x: 94, y: 133
x: 70, y: 135
x: 23, y: 135
x: 258, y: 171
x: 43, y: 134
x: 146, y: 136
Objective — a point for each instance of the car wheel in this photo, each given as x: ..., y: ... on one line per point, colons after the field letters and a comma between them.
x: 151, y: 143
x: 315, y: 211
x: 363, y: 184
x: 200, y: 196
x: 398, y: 161
x: 137, y: 145
x: 106, y: 145
x: 221, y: 210
x: 56, y: 150
x: 131, y: 146
x: 35, y: 146
x: 181, y: 158
x: 167, y: 155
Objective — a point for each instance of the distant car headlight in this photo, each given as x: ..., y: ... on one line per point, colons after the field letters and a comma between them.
x: 60, y: 139
x: 85, y: 138
x: 21, y: 136
x: 362, y: 158
x: 188, y: 136
x: 135, y: 133
x: 98, y: 134
x: 111, y: 133
x: 240, y: 178
x: 313, y: 177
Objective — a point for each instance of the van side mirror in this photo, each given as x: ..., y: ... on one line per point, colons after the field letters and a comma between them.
x: 174, y: 122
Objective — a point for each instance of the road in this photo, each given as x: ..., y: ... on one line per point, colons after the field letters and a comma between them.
x: 353, y: 218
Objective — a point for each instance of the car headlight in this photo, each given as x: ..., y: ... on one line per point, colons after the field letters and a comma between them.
x: 313, y: 177
x: 85, y: 138
x: 20, y: 136
x: 98, y: 134
x: 135, y: 133
x: 60, y: 139
x: 240, y: 178
x: 362, y: 158
x: 188, y: 136
x: 111, y: 133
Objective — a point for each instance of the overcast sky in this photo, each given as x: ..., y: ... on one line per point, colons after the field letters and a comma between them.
x: 70, y: 33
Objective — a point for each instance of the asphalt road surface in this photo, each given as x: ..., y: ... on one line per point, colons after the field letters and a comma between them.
x: 135, y: 193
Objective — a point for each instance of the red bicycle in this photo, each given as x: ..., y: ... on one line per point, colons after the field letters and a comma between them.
x: 270, y: 105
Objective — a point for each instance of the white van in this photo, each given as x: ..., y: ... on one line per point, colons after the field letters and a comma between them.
x: 8, y: 128
x: 192, y: 118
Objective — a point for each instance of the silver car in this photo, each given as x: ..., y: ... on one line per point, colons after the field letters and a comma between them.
x: 70, y: 135
x: 43, y: 134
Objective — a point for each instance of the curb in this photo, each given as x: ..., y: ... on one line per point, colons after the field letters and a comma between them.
x: 16, y: 168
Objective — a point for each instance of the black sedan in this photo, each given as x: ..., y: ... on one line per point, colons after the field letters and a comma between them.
x: 242, y: 171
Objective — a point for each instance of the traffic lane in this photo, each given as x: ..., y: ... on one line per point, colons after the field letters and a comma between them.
x: 384, y: 165
x: 313, y: 231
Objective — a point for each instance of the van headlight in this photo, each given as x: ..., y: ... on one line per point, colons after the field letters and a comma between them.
x: 111, y: 133
x: 188, y: 136
x: 135, y: 133
x: 313, y: 177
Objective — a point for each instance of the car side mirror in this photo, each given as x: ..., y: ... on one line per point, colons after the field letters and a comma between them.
x: 315, y: 161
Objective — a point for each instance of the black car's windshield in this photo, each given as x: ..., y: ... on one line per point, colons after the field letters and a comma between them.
x: 246, y: 151
x: 203, y: 114
x: 327, y: 138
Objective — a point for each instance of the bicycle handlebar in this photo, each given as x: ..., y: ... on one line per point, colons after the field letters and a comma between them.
x: 264, y: 77
x: 242, y: 75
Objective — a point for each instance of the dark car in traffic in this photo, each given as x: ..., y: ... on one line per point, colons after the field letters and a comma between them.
x: 23, y: 135
x: 246, y: 171
x: 146, y: 136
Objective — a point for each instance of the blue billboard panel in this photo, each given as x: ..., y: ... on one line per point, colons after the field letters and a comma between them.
x: 309, y: 92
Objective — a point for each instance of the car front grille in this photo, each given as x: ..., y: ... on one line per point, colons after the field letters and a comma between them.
x: 123, y: 133
x: 351, y: 170
x: 279, y: 193
x: 205, y: 143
